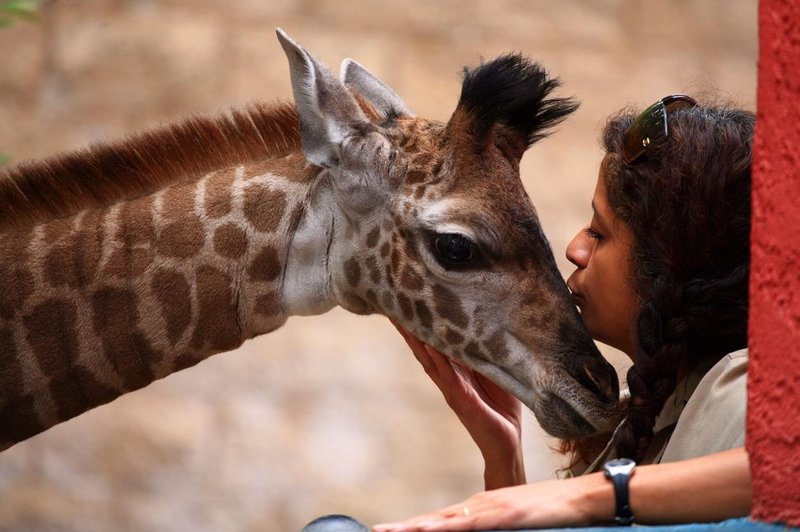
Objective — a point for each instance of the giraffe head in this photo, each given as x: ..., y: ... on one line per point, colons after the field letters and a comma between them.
x: 434, y: 229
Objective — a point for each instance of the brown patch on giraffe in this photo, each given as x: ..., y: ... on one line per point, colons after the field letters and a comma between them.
x: 181, y: 239
x: 73, y: 262
x: 355, y: 304
x: 177, y: 202
x: 372, y: 297
x: 219, y: 192
x: 405, y: 307
x: 173, y: 292
x: 448, y: 306
x: 269, y: 304
x: 265, y: 266
x: 352, y: 271
x: 77, y: 391
x: 10, y: 368
x: 128, y: 264
x: 452, y: 337
x: 115, y: 319
x: 410, y: 279
x: 136, y: 222
x: 388, y: 301
x: 217, y: 312
x: 424, y: 314
x: 52, y: 335
x: 374, y: 269
x: 17, y: 288
x: 264, y: 208
x: 385, y: 248
x: 372, y: 237
x: 473, y: 351
x: 419, y: 192
x: 496, y: 347
x: 230, y: 241
x: 394, y: 260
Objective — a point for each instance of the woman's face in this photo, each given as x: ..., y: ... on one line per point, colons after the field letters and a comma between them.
x: 601, y: 284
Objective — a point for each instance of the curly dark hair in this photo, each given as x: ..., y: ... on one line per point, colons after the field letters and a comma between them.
x: 687, y: 203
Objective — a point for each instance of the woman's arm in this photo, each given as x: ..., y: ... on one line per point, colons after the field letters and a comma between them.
x: 710, y: 488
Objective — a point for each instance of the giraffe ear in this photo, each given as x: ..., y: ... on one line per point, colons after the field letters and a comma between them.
x: 327, y: 110
x: 385, y: 100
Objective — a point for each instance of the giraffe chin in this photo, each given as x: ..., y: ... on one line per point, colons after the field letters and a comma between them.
x: 561, y: 420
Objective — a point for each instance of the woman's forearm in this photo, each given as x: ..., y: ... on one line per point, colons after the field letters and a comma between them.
x: 709, y: 488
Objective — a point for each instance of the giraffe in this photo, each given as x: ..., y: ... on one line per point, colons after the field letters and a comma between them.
x: 125, y: 262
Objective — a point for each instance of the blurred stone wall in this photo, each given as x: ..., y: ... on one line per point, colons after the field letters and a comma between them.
x: 329, y: 414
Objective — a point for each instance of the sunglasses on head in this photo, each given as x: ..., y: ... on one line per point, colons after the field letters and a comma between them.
x: 650, y: 127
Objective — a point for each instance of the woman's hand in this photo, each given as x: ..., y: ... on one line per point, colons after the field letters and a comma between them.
x: 552, y: 503
x: 491, y: 415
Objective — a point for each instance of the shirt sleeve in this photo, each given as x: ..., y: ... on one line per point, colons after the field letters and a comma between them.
x: 714, y: 417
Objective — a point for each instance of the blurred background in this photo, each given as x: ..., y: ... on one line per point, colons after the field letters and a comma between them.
x: 329, y: 414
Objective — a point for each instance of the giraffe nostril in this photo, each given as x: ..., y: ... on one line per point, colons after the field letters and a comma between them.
x: 601, y: 380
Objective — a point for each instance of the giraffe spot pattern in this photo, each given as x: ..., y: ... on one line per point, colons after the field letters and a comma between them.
x: 265, y: 266
x: 424, y: 314
x: 452, y: 337
x: 217, y: 315
x: 448, y: 306
x: 410, y: 279
x: 388, y: 301
x: 73, y: 262
x: 230, y: 241
x: 115, y: 317
x: 51, y: 334
x: 136, y: 223
x: 352, y: 271
x: 10, y: 369
x: 17, y: 285
x: 181, y: 239
x: 130, y: 264
x: 385, y: 250
x: 173, y: 292
x: 496, y: 347
x: 405, y: 307
x: 264, y: 208
x: 217, y: 201
x: 374, y: 270
x: 373, y: 237
x: 268, y: 304
x: 177, y: 203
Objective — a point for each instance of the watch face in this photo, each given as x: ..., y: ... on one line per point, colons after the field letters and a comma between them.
x: 619, y: 466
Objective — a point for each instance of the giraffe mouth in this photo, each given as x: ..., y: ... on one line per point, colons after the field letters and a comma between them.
x: 561, y: 420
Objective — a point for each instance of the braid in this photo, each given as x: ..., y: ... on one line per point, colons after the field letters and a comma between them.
x: 654, y: 376
x: 687, y: 204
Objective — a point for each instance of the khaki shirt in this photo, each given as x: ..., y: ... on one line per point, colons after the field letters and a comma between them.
x: 704, y: 415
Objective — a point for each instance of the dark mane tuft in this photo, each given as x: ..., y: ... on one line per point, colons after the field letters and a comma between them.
x: 512, y: 90
x: 103, y: 174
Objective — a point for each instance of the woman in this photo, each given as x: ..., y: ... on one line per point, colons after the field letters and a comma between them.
x: 661, y: 274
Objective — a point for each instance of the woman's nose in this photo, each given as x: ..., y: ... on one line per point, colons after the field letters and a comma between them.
x: 579, y: 249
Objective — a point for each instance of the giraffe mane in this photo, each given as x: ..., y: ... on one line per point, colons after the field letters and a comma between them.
x: 103, y: 174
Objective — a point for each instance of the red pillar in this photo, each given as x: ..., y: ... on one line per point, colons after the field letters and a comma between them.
x: 773, y: 420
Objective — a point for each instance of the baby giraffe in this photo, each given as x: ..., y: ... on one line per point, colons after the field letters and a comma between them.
x: 125, y: 262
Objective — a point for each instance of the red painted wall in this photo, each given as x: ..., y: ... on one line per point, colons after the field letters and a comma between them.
x: 773, y: 421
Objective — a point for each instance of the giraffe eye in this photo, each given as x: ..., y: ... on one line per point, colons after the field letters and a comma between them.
x: 453, y: 249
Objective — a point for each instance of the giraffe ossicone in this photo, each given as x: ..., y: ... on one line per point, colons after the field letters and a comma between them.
x: 128, y: 261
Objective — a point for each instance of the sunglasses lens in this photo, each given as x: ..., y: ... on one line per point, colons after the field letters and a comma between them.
x: 650, y: 127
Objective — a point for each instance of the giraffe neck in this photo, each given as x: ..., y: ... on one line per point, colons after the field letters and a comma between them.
x: 105, y: 302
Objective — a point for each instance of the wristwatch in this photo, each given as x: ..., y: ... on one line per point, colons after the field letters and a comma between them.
x: 619, y: 471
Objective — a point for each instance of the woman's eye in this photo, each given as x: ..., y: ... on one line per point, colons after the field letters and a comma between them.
x: 453, y: 249
x: 591, y: 233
